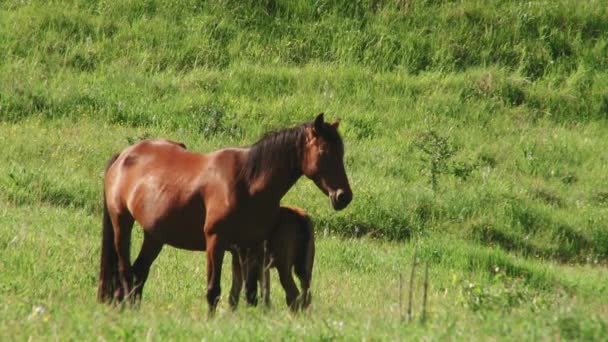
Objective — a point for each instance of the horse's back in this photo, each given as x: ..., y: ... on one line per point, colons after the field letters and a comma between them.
x: 148, y: 161
x: 152, y: 153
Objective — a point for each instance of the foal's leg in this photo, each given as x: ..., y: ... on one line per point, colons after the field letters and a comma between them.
x: 237, y: 279
x: 306, y: 295
x: 215, y: 256
x: 253, y: 275
x: 291, y: 290
x: 123, y: 225
x: 150, y: 249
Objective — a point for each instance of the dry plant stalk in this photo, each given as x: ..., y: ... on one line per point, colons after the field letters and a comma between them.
x: 426, y: 287
x: 411, y: 290
x: 265, y: 268
x: 244, y: 269
x: 400, y: 297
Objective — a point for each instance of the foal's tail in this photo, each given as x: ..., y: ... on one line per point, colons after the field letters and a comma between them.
x: 108, y: 275
x: 305, y: 257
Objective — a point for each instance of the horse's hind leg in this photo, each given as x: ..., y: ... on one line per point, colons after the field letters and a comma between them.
x: 150, y: 249
x: 122, y: 240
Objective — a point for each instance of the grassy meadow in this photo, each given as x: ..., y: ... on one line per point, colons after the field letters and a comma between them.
x: 475, y: 137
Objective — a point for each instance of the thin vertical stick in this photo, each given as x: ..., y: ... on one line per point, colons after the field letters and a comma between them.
x: 266, y: 271
x: 426, y: 287
x: 243, y: 268
x: 411, y: 290
x: 401, y: 313
x: 265, y: 278
x: 263, y: 266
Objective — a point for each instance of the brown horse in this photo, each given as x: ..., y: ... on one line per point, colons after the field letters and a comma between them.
x: 290, y: 247
x: 208, y: 201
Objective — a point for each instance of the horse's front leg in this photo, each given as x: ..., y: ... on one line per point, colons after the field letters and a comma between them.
x: 215, y: 257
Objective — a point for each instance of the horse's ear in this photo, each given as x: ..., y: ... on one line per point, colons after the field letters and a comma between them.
x: 335, y: 124
x: 318, y: 125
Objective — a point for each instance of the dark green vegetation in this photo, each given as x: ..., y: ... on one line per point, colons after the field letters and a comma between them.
x: 503, y: 105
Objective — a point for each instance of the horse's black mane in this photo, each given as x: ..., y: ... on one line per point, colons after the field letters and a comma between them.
x: 283, y: 147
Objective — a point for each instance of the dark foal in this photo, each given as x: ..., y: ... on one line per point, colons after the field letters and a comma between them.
x: 291, y: 247
x: 208, y: 201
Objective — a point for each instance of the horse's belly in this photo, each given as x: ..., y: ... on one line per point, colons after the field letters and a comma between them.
x: 178, y: 227
x: 184, y: 235
x: 173, y: 221
x: 194, y: 243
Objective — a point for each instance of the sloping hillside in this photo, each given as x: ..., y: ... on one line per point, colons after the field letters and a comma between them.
x: 475, y: 130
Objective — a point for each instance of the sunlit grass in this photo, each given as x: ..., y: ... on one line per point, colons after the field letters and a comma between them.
x: 515, y: 232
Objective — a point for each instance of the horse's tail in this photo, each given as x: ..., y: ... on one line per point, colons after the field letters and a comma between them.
x: 108, y: 275
x: 305, y: 257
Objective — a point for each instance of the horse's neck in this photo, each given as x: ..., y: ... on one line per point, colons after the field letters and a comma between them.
x: 273, y: 183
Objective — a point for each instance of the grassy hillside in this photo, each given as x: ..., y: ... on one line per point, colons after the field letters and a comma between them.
x: 75, y: 58
x: 508, y: 98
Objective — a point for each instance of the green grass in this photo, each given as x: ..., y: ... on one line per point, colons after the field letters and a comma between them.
x: 474, y: 291
x: 515, y: 234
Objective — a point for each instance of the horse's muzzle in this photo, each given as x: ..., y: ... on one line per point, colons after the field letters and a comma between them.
x: 340, y: 199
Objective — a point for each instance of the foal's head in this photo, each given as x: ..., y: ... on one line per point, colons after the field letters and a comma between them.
x: 323, y: 161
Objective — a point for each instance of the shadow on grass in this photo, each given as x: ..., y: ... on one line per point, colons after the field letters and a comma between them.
x: 28, y: 187
x: 569, y: 245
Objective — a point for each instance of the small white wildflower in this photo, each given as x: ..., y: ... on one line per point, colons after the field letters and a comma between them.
x: 38, y: 311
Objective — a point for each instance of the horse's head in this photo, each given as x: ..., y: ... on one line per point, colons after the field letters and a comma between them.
x: 323, y: 161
